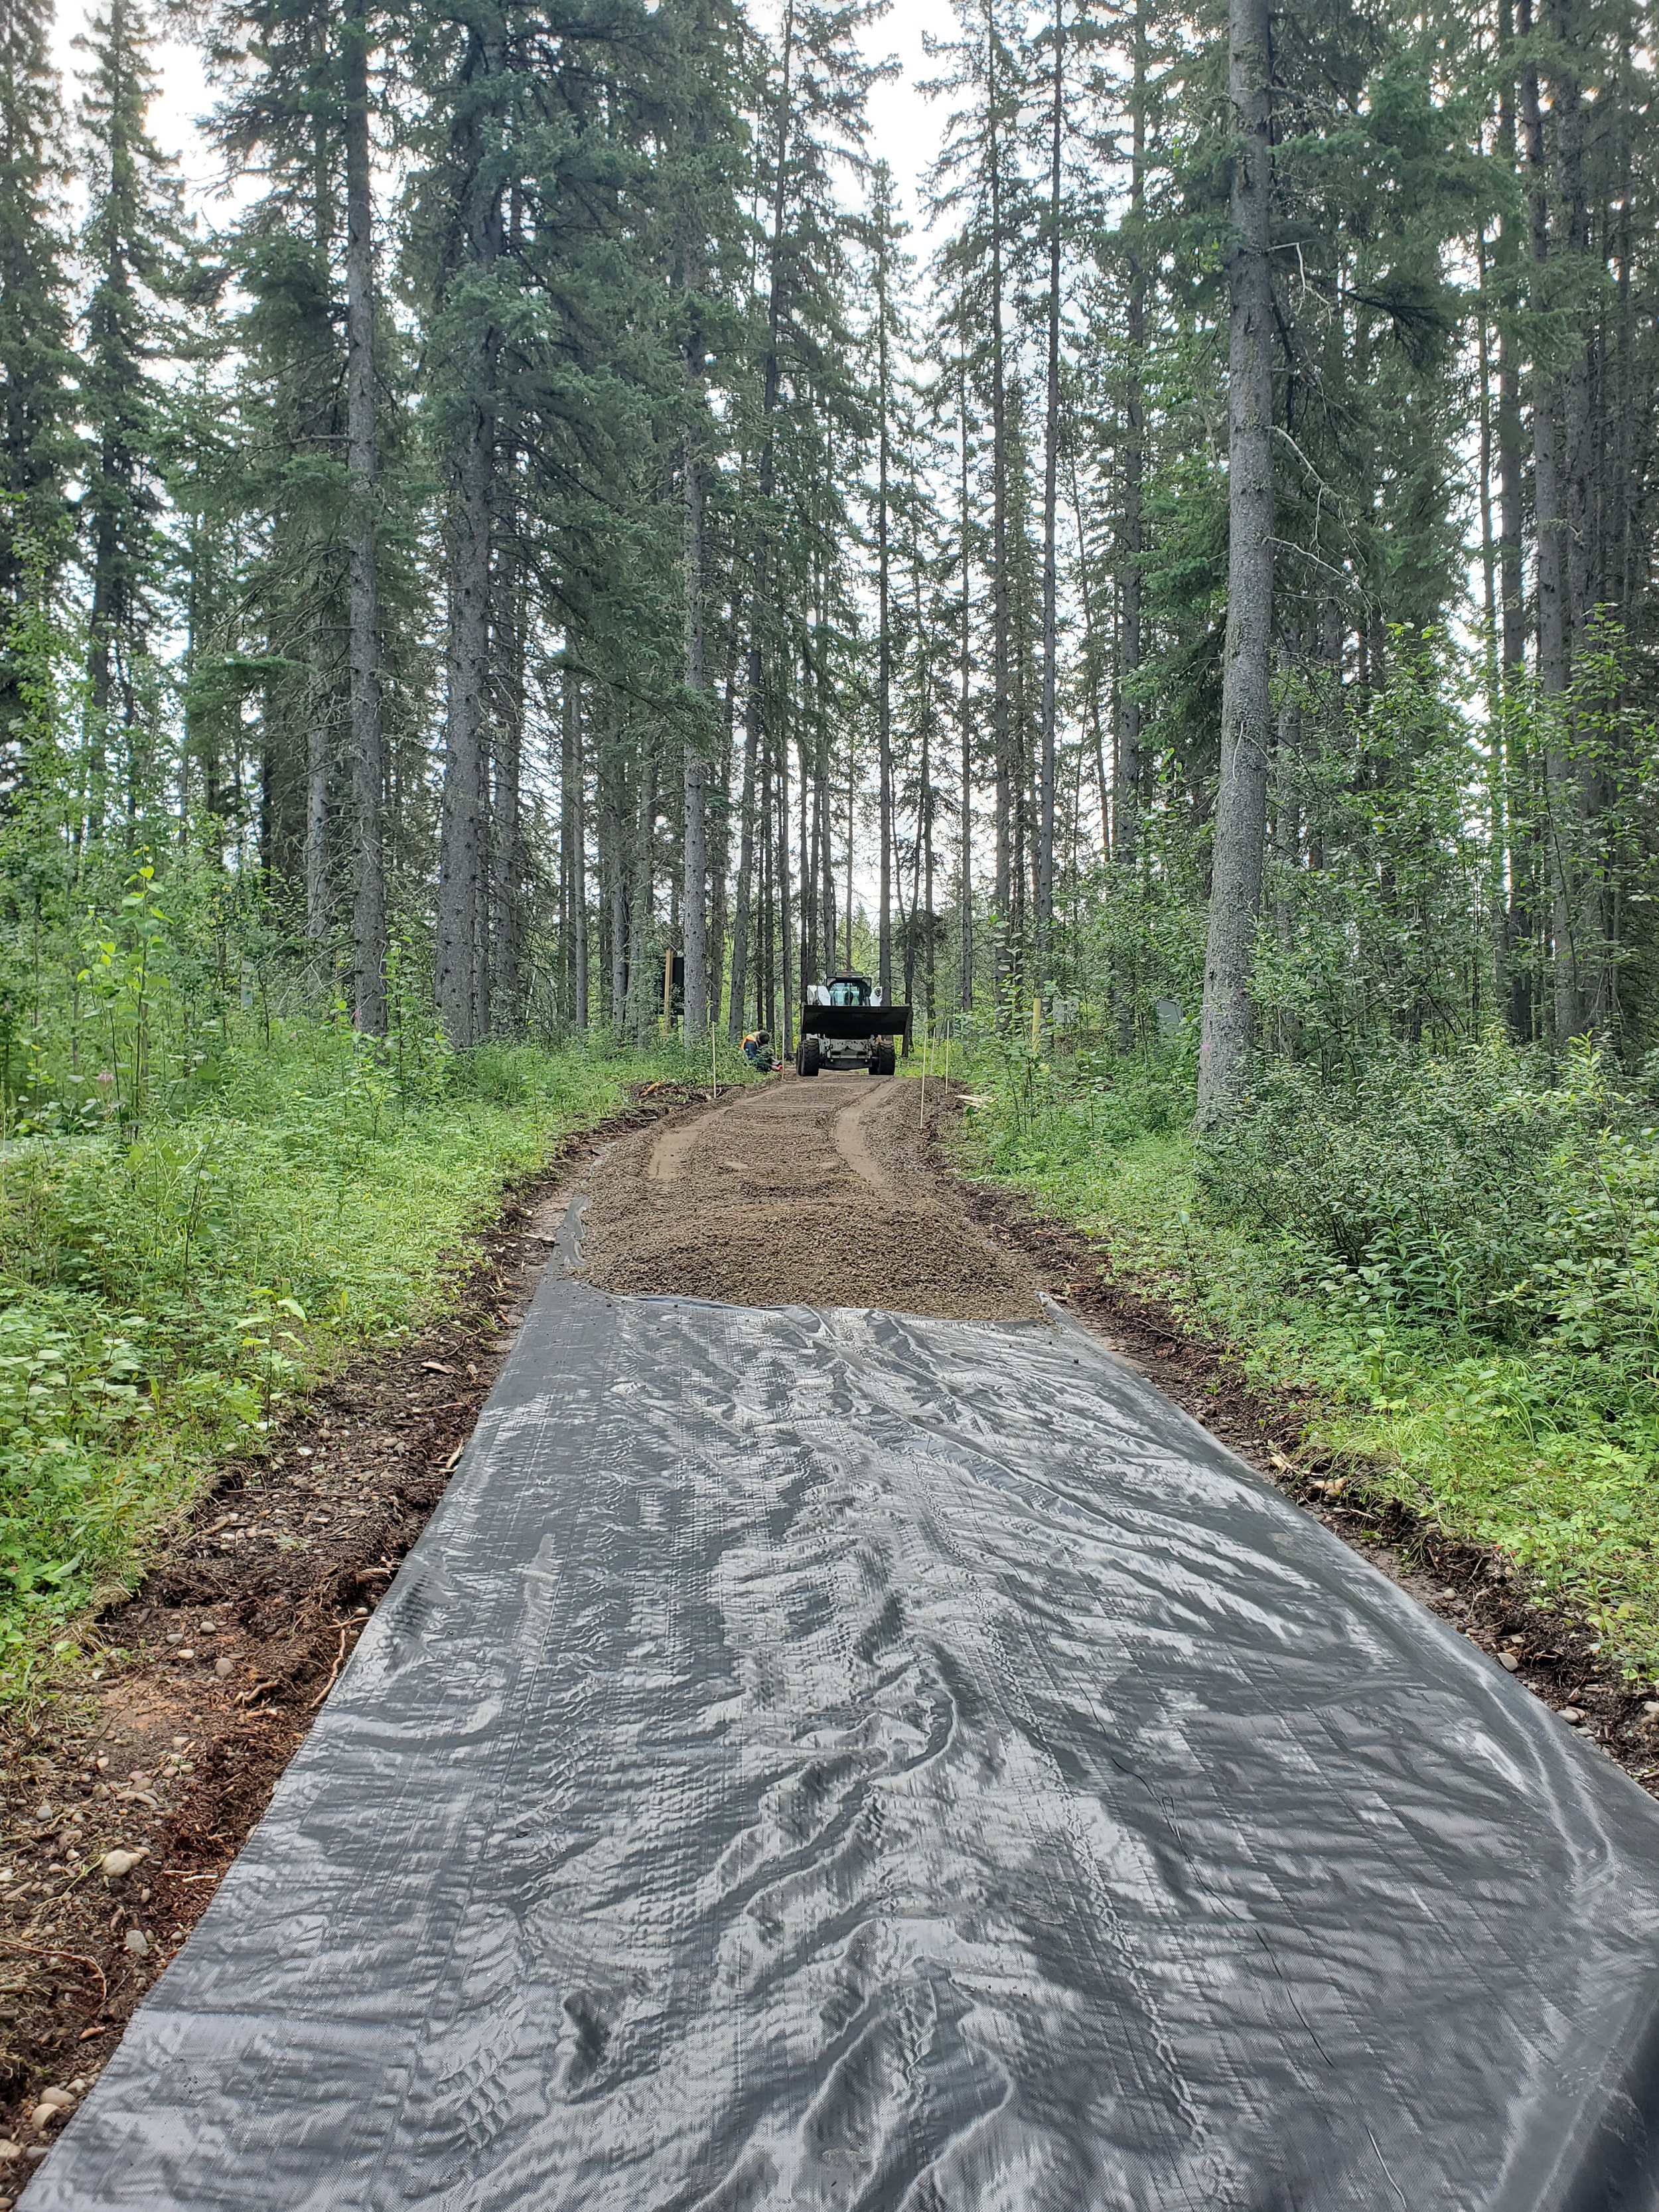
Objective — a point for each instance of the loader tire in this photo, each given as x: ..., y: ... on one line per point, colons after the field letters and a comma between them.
x: 807, y: 1058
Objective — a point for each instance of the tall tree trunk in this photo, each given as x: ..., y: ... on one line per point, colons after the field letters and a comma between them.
x: 367, y: 745
x: 1591, y: 972
x: 1550, y: 524
x: 644, y: 970
x: 760, y: 608
x: 1002, y: 734
x: 1520, y: 917
x: 1242, y: 798
x: 614, y: 860
x: 694, y: 890
x: 1045, y: 854
x: 742, y: 919
x: 319, y: 888
x: 508, y: 620
x: 785, y: 957
x: 576, y: 867
x: 884, y: 616
x: 1127, y: 796
x: 459, y: 947
x: 965, y: 978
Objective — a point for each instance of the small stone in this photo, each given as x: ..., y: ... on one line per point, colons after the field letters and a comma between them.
x: 188, y: 1652
x: 54, y: 2095
x: 43, y: 2115
x: 118, y: 1862
x: 1571, y: 1715
x: 1651, y: 1711
x: 1508, y: 1661
x: 225, y: 1668
x: 137, y: 1943
x: 9, y: 2150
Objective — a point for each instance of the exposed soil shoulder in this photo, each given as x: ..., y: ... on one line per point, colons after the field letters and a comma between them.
x: 213, y: 1672
x: 816, y: 1192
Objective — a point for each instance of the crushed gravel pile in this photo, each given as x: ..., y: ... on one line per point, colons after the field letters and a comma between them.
x: 797, y: 1193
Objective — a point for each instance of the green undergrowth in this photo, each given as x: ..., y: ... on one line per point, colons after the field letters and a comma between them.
x: 164, y: 1289
x: 1459, y: 1260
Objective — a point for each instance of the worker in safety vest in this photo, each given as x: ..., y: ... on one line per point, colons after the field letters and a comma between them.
x: 757, y: 1051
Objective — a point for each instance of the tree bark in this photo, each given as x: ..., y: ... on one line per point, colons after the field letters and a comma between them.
x: 458, y: 959
x: 965, y: 978
x: 1242, y: 797
x: 694, y: 892
x: 883, y: 616
x: 754, y: 698
x: 367, y: 748
x: 507, y: 652
x: 319, y: 888
x: 574, y: 819
x: 1045, y: 855
x: 1000, y: 613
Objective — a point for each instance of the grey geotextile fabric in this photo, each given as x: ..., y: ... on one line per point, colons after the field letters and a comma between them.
x: 838, y: 1761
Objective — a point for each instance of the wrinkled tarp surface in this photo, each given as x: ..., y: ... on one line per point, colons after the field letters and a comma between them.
x: 835, y: 1760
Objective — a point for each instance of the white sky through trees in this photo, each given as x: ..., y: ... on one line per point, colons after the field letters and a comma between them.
x: 904, y: 126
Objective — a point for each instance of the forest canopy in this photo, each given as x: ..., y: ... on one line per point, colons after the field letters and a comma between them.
x: 569, y: 514
x: 562, y: 553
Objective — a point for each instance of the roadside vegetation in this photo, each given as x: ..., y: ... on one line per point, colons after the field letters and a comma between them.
x: 1457, y: 1251
x: 211, y: 1192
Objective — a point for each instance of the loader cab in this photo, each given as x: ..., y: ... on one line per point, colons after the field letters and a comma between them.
x: 851, y: 990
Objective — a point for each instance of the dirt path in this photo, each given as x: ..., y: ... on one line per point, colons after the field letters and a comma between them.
x: 801, y: 1193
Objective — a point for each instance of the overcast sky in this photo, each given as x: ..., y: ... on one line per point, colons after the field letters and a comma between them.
x: 904, y: 125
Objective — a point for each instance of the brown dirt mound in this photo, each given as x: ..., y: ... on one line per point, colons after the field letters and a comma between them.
x: 812, y: 1192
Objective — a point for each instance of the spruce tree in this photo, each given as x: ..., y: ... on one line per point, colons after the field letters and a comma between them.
x: 38, y: 444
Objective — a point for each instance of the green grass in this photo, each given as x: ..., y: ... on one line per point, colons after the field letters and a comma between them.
x: 1519, y: 1447
x: 161, y: 1299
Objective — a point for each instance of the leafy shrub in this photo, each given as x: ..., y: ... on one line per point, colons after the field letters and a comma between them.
x: 1461, y: 1191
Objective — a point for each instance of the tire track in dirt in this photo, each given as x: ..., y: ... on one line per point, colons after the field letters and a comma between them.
x: 853, y: 1142
x: 797, y: 1191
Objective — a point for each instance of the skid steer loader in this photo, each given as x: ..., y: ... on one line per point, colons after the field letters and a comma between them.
x: 842, y: 1025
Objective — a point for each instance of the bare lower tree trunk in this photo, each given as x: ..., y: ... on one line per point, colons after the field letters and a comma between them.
x: 1549, y: 521
x: 884, y: 616
x: 575, y: 840
x: 965, y: 889
x: 461, y: 843
x: 1002, y: 734
x: 368, y: 747
x: 1126, y: 828
x: 694, y: 891
x: 1241, y: 814
x: 741, y: 917
x: 784, y: 874
x: 461, y: 933
x: 759, y: 615
x: 319, y: 888
x: 508, y: 613
x: 1045, y: 854
x: 1522, y: 890
x: 644, y: 973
